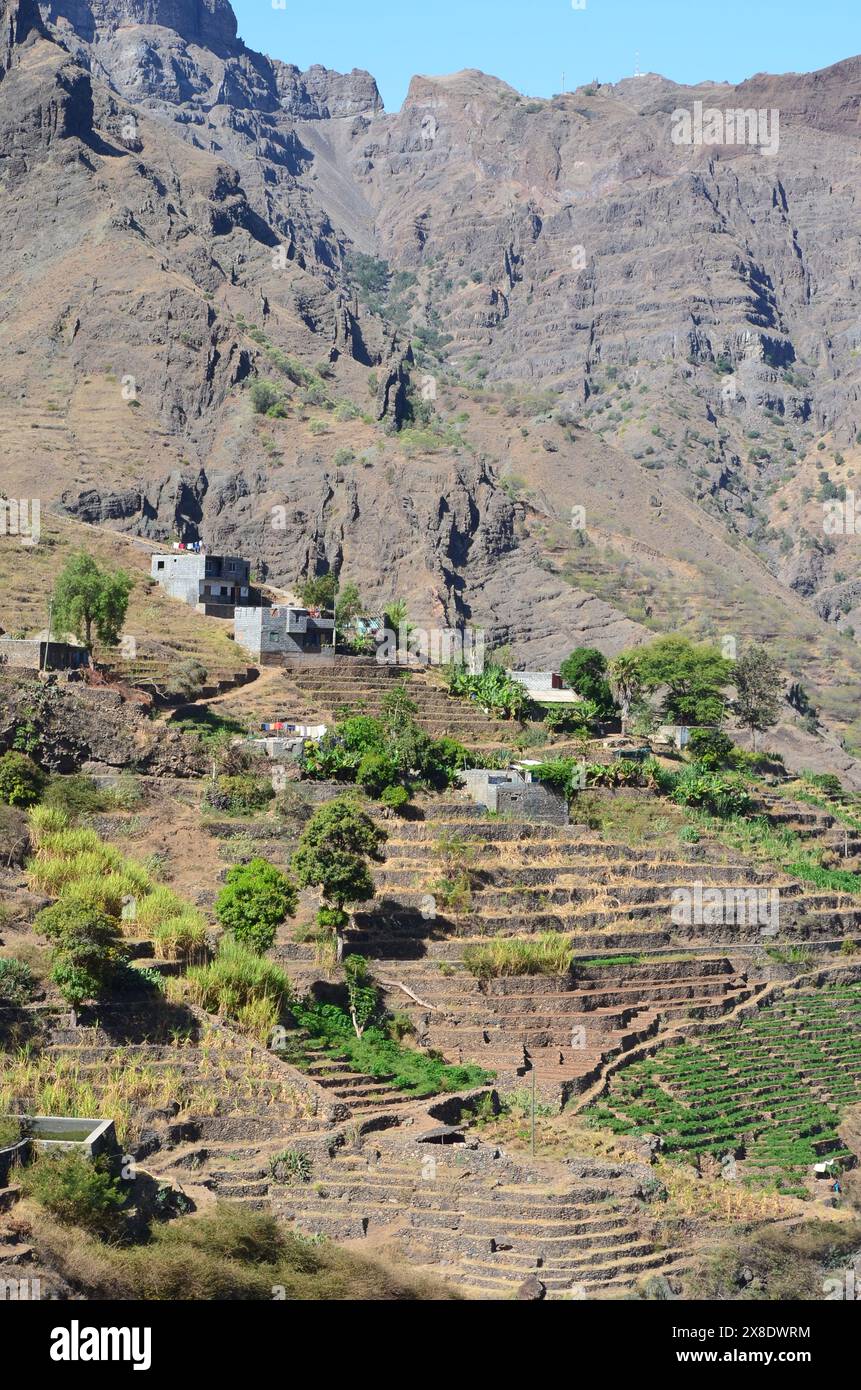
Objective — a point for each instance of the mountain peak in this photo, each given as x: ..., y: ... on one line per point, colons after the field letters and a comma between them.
x: 18, y: 20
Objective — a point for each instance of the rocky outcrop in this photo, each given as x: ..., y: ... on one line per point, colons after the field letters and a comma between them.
x: 76, y: 725
x: 186, y: 52
x: 320, y: 94
x: 636, y: 333
x: 449, y: 534
x: 207, y: 23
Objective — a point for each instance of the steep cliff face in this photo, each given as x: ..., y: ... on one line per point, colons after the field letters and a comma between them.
x: 160, y: 299
x: 207, y: 23
x: 188, y: 53
x: 690, y: 302
x: 445, y: 537
x: 585, y: 388
x: 605, y: 241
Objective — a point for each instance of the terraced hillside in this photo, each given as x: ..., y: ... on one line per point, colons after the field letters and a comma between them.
x: 207, y: 1080
x: 460, y: 879
x: 696, y: 1033
x: 768, y: 1092
x: 484, y: 1221
x: 217, y: 1117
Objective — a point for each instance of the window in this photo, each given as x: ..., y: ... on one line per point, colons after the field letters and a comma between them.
x: 159, y: 564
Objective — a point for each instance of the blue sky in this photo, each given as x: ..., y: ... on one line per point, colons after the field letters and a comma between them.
x: 528, y: 44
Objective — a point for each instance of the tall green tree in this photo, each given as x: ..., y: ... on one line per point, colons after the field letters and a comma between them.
x: 87, y: 957
x: 333, y: 855
x: 585, y: 670
x: 759, y: 689
x: 348, y: 605
x: 318, y: 591
x: 623, y: 675
x: 91, y: 601
x: 407, y: 744
x: 693, y: 678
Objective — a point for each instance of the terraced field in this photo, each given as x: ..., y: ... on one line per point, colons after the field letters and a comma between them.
x: 634, y: 972
x: 485, y: 1221
x: 356, y: 685
x: 770, y: 1091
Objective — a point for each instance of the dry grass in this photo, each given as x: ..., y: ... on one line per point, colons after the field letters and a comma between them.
x: 226, y: 1252
x: 716, y: 1202
x: 549, y: 953
x: 123, y: 1088
x: 27, y: 575
x: 631, y: 820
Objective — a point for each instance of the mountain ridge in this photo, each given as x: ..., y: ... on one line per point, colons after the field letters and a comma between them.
x: 207, y: 233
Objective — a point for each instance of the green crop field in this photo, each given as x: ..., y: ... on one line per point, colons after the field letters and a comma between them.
x: 770, y: 1091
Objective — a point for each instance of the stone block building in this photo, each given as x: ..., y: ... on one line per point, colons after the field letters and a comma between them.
x: 270, y: 635
x: 515, y: 791
x: 38, y: 654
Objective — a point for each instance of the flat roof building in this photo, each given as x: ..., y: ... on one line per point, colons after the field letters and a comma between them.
x: 272, y: 634
x: 513, y: 789
x: 214, y: 584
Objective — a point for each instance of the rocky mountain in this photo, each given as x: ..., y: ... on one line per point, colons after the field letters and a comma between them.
x: 532, y: 364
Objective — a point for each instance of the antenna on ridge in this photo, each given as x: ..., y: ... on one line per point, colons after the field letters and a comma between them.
x: 637, y: 72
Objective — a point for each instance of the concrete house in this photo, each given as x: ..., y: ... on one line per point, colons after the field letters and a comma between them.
x: 272, y: 634
x: 213, y: 584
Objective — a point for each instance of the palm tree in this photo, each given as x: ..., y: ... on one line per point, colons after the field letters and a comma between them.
x: 395, y: 614
x: 623, y: 674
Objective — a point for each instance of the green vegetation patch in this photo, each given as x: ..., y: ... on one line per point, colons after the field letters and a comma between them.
x: 755, y: 1091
